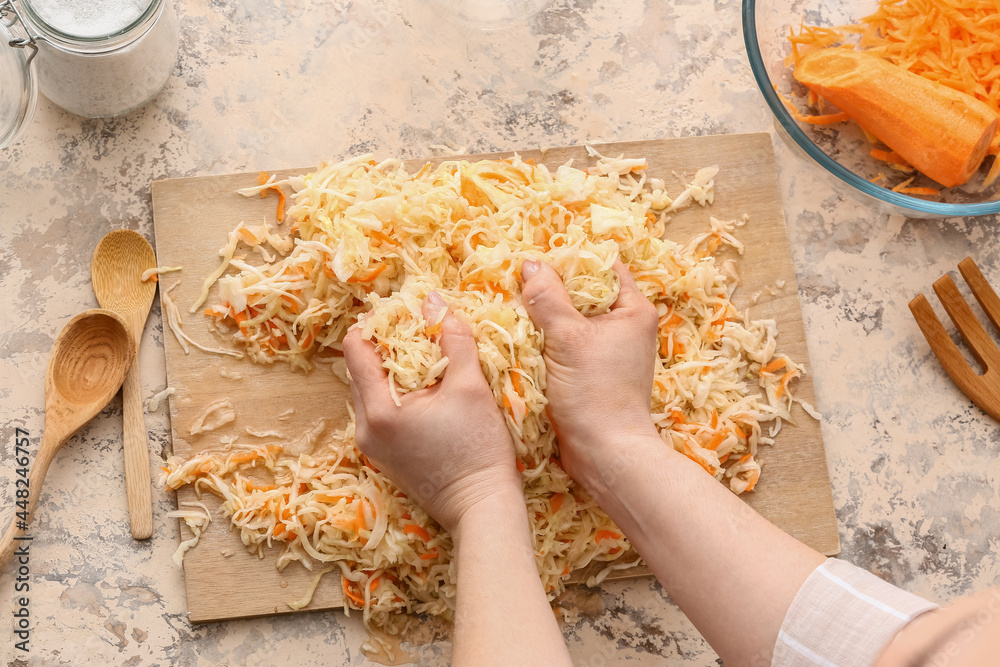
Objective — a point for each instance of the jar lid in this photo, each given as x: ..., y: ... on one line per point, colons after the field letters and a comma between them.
x: 18, y: 89
x: 87, y: 20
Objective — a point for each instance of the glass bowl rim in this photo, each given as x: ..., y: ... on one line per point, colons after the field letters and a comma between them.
x: 791, y: 127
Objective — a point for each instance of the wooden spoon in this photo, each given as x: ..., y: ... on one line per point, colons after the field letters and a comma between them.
x: 116, y: 273
x: 88, y: 363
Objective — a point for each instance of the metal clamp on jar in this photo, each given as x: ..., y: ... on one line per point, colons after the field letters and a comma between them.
x: 91, y: 57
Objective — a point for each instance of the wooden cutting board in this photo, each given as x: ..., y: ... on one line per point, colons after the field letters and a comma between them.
x: 193, y: 217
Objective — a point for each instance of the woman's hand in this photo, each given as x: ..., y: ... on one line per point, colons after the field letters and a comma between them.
x: 599, y: 370
x: 447, y: 447
x: 699, y: 539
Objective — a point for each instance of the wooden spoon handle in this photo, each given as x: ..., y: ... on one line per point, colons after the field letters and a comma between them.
x: 138, y: 484
x: 14, y: 537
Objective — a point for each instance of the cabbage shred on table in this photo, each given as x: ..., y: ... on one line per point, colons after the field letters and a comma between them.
x: 371, y: 237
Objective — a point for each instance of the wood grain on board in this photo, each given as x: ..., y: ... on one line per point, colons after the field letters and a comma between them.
x: 193, y: 217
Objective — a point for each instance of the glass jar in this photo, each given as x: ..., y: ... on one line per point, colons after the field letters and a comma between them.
x: 93, y: 58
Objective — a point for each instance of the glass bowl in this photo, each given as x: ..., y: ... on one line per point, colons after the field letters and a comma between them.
x: 841, y: 151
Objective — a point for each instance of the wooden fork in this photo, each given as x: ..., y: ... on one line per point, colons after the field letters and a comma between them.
x: 984, y: 390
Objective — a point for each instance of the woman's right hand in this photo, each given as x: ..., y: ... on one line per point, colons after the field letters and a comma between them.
x: 699, y: 539
x: 445, y: 446
x: 599, y: 370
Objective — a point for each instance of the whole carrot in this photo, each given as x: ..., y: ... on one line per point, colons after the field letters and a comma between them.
x: 942, y: 132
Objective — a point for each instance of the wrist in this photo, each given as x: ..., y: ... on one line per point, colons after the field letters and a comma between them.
x: 618, y: 460
x: 625, y: 488
x: 604, y: 431
x: 503, y: 504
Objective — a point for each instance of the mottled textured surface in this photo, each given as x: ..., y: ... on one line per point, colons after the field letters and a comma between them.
x: 260, y: 84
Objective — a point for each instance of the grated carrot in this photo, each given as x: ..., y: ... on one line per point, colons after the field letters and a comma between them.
x: 245, y: 457
x: 783, y: 384
x: 717, y: 439
x: 891, y: 158
x: 258, y: 487
x: 515, y: 380
x: 824, y: 119
x: 775, y: 365
x: 385, y: 238
x: 419, y: 531
x: 688, y: 452
x: 904, y: 184
x: 931, y: 192
x: 262, y: 178
x: 241, y: 318
x: 347, y: 591
x: 953, y: 42
x: 331, y: 497
x: 371, y: 275
x: 556, y: 502
x: 994, y: 171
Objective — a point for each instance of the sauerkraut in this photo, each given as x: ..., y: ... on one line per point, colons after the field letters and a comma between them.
x: 370, y: 237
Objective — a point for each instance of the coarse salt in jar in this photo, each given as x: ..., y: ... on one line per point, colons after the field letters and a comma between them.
x: 91, y: 57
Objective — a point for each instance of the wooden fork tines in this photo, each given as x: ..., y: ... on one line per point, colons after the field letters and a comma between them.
x: 984, y: 390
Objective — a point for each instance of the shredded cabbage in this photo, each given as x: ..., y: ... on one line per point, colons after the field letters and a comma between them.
x: 369, y: 237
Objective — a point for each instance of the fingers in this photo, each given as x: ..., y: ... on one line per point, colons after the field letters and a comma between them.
x: 629, y: 296
x: 456, y: 340
x: 368, y: 378
x: 545, y: 296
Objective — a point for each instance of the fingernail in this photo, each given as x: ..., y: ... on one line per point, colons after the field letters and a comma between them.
x: 529, y: 267
x: 435, y: 300
x: 435, y: 307
x: 360, y: 322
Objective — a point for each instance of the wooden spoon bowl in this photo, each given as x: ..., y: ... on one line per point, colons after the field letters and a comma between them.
x: 82, y: 366
x: 88, y: 364
x: 116, y: 273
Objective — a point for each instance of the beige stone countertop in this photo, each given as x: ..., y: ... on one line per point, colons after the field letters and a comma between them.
x: 268, y: 84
